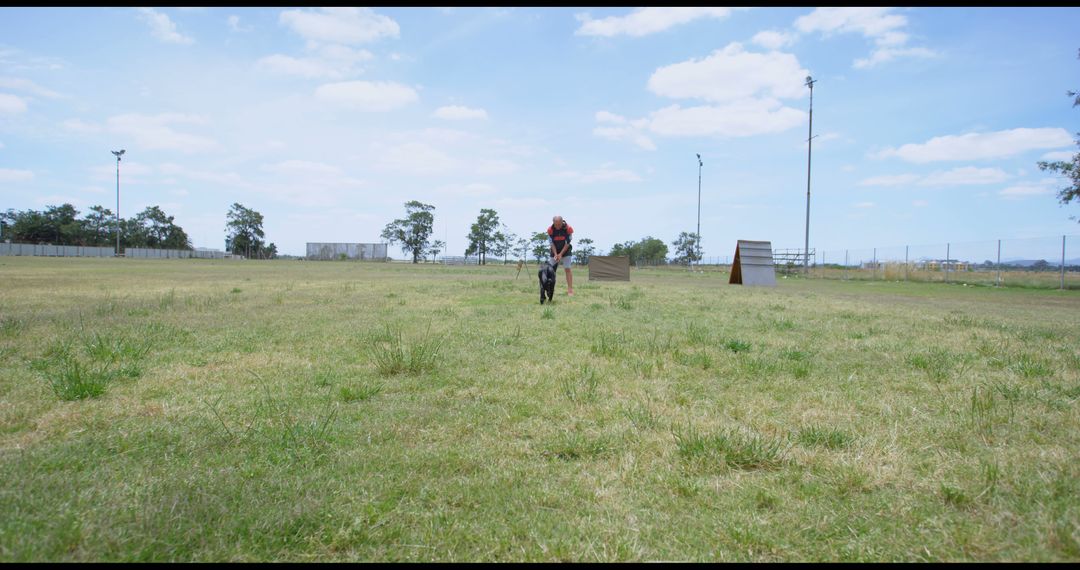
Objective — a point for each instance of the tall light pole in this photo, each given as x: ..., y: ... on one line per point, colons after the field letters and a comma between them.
x: 699, y: 165
x: 809, y: 144
x: 117, y: 153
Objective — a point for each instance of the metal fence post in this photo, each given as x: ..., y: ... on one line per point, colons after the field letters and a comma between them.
x: 999, y: 265
x: 873, y: 275
x: 1062, y: 263
x: 947, y: 262
x: 845, y: 264
x: 905, y: 262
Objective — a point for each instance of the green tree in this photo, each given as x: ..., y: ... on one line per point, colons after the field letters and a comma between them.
x: 436, y: 247
x: 99, y: 227
x: 244, y: 231
x: 482, y: 234
x: 62, y: 224
x: 540, y: 246
x: 29, y: 226
x: 503, y: 243
x: 627, y: 249
x: 522, y: 245
x: 56, y: 225
x: 686, y: 248
x: 652, y: 250
x: 412, y: 231
x: 584, y: 251
x: 156, y: 229
x: 161, y: 231
x: 1068, y: 169
x: 649, y: 249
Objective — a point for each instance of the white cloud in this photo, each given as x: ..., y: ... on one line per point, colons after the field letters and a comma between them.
x: 308, y: 183
x: 340, y: 25
x: 303, y: 67
x: 878, y: 24
x: 626, y: 130
x: 606, y: 117
x: 28, y: 86
x: 864, y: 205
x: 965, y: 176
x: 438, y: 151
x: 630, y: 133
x: 968, y: 175
x: 234, y: 24
x: 645, y: 21
x: 731, y: 74
x: 746, y: 85
x: 303, y: 167
x: 331, y: 61
x: 743, y: 118
x: 774, y: 40
x: 1063, y: 155
x: 163, y: 27
x: 459, y: 113
x: 920, y: 203
x: 367, y: 95
x: 13, y: 175
x: 1027, y: 189
x: 343, y: 54
x: 131, y: 172
x: 11, y: 104
x: 416, y: 158
x: 888, y: 54
x: 155, y: 132
x: 14, y: 60
x: 981, y: 146
x: 870, y: 22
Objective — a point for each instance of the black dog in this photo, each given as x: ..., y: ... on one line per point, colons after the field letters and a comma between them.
x: 547, y: 278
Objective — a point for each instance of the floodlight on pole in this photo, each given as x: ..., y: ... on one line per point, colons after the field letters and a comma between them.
x: 809, y: 145
x: 698, y: 240
x: 118, y: 153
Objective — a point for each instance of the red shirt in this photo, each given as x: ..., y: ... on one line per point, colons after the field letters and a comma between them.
x: 560, y: 236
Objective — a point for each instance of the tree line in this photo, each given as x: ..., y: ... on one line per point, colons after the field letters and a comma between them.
x: 62, y: 225
x: 150, y: 228
x: 488, y: 236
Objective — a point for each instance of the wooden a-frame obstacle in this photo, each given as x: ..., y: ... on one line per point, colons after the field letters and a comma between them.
x: 753, y: 264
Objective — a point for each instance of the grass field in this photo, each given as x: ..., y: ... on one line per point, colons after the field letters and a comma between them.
x: 247, y: 411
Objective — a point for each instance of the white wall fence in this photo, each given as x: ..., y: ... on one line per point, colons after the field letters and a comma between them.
x: 461, y: 260
x: 54, y: 250
x: 149, y: 253
x: 40, y: 250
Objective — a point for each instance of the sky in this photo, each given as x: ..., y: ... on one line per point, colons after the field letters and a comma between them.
x: 928, y: 122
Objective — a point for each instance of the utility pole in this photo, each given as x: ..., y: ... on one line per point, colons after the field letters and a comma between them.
x: 809, y: 145
x: 700, y: 164
x: 117, y: 153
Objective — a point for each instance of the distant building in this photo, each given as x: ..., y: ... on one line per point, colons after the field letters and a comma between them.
x: 943, y: 264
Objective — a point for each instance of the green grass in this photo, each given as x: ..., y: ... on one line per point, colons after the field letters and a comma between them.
x: 209, y: 410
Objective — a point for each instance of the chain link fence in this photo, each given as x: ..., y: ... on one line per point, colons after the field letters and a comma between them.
x: 1042, y: 262
x: 1045, y: 262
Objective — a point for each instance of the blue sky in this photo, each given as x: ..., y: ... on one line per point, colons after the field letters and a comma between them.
x: 929, y: 121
